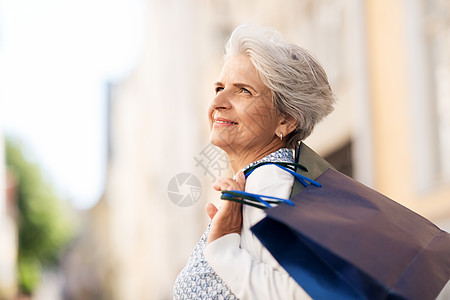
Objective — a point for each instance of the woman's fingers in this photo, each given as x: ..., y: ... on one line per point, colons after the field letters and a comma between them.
x: 211, y: 210
x: 240, y: 178
x: 227, y: 184
x: 218, y: 185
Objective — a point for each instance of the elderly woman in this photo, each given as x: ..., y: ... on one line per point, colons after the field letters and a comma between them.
x: 268, y: 97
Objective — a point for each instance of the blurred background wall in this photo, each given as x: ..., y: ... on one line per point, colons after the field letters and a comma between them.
x: 387, y: 62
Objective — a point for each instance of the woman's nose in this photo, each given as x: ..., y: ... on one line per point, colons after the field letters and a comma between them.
x: 221, y: 101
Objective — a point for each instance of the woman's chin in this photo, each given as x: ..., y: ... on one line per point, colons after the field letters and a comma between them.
x: 219, y: 142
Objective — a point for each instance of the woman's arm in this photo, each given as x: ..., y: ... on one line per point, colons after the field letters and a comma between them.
x: 248, y: 274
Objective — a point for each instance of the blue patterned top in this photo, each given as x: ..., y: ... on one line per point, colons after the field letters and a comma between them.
x: 281, y: 155
x: 198, y: 280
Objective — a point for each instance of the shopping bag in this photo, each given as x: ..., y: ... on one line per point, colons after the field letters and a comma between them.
x: 342, y: 240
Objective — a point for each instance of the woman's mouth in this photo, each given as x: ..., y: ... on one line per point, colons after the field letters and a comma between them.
x: 223, y: 122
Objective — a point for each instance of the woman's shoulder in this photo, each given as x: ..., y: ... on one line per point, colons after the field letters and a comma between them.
x: 269, y: 180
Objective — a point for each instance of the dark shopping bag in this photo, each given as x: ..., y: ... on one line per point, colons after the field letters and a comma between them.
x: 346, y: 241
x: 342, y: 240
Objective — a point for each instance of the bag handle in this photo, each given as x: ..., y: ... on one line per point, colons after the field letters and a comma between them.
x: 289, y: 165
x: 253, y: 199
x: 256, y: 200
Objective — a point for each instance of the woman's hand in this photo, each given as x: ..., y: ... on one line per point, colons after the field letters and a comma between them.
x: 227, y: 219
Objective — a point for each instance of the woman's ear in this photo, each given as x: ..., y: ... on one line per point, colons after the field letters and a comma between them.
x: 287, y: 125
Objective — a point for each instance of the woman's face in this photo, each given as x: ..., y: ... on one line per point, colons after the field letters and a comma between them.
x: 242, y: 117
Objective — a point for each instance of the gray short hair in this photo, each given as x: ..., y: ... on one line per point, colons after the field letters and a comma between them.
x: 299, y: 84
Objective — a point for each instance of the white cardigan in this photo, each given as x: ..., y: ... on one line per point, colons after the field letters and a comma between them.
x: 243, y: 263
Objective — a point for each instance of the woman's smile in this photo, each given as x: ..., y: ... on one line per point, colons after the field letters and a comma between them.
x: 221, y: 122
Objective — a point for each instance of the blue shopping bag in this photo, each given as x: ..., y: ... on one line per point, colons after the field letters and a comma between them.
x: 340, y: 239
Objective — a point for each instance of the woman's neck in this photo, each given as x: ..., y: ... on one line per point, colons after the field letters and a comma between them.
x: 240, y: 159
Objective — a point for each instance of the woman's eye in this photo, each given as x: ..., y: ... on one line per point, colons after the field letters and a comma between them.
x: 246, y: 91
x: 218, y: 89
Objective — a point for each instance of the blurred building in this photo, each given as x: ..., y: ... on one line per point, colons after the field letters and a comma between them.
x: 387, y: 62
x: 87, y: 264
x: 409, y: 75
